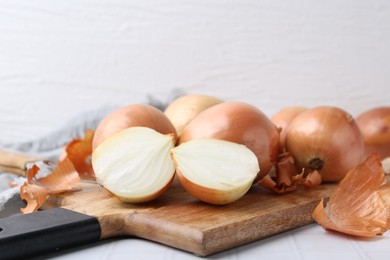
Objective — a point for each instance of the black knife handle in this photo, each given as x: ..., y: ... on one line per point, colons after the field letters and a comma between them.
x: 47, y: 231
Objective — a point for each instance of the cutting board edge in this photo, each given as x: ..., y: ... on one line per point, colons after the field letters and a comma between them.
x: 141, y: 225
x: 304, y: 218
x: 206, y: 242
x: 186, y: 236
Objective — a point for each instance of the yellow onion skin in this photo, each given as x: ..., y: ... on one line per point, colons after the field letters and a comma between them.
x: 375, y: 127
x: 148, y: 197
x: 326, y: 139
x: 209, y: 195
x: 185, y: 108
x: 282, y: 120
x: 133, y: 115
x: 241, y: 123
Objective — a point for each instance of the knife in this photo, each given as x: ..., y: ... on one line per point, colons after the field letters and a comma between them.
x: 12, y: 206
x: 42, y: 232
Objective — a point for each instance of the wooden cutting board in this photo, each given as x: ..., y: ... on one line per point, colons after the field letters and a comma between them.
x: 177, y: 219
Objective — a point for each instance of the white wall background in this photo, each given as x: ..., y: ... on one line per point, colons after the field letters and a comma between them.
x: 60, y: 58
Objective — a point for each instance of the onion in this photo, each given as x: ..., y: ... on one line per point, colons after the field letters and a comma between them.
x: 135, y: 164
x: 386, y: 165
x: 325, y: 139
x: 215, y: 171
x: 132, y: 115
x: 241, y: 123
x: 283, y: 118
x: 375, y: 127
x: 183, y: 109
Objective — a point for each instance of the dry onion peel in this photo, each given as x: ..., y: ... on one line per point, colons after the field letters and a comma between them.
x: 360, y: 203
x: 285, y: 170
x: 287, y: 179
x: 312, y: 180
x: 135, y: 164
x: 79, y: 151
x: 61, y: 179
x: 35, y: 191
x: 215, y: 171
x: 34, y: 195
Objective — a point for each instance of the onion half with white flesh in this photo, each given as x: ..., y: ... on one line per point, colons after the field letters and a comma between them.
x: 215, y: 171
x: 135, y: 164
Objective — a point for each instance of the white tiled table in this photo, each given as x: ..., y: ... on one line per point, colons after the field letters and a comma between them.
x: 308, y: 242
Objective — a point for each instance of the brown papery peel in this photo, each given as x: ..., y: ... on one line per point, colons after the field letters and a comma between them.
x: 360, y: 203
x: 35, y: 191
x: 79, y: 151
x: 74, y: 166
x: 33, y: 194
x: 287, y: 179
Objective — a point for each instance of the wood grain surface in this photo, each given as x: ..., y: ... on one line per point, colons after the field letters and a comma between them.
x: 177, y: 219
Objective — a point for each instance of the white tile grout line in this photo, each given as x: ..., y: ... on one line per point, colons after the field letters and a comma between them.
x: 354, y: 243
x: 367, y: 254
x: 294, y: 245
x: 362, y: 254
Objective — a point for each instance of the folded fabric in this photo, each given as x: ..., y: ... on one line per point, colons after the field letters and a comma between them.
x: 51, y: 146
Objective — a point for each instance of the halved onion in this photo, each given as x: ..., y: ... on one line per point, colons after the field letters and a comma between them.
x: 215, y: 171
x: 241, y: 123
x: 135, y: 164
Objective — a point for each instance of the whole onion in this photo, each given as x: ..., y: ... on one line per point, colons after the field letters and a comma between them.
x: 241, y: 123
x: 283, y: 118
x: 325, y: 139
x: 375, y: 127
x: 142, y: 115
x: 185, y: 108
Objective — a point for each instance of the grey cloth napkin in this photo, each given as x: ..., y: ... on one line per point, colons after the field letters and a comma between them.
x: 52, y: 145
